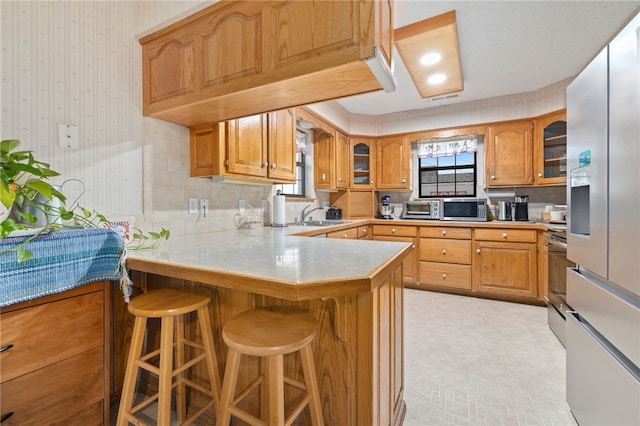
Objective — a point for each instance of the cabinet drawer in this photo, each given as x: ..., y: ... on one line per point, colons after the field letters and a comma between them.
x: 447, y: 251
x: 445, y: 232
x: 44, y: 334
x: 445, y: 275
x: 394, y: 230
x: 347, y: 234
x: 511, y: 235
x: 363, y: 232
x: 58, y: 393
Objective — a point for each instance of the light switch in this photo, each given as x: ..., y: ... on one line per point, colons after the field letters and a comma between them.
x: 68, y: 136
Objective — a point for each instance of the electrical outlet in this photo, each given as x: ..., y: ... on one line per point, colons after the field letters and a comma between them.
x: 204, y: 206
x: 193, y: 206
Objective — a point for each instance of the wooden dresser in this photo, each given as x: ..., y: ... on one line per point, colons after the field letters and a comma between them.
x: 53, y: 364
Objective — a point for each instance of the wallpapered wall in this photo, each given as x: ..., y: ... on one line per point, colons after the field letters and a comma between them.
x: 79, y: 62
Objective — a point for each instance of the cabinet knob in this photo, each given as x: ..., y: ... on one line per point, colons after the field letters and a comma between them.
x: 364, y: 231
x: 324, y: 176
x: 478, y: 251
x: 504, y: 235
x: 339, y: 179
x: 273, y: 165
x: 444, y: 251
x: 344, y: 236
x: 539, y: 174
x: 373, y: 183
x: 493, y: 177
x: 444, y: 232
x: 393, y: 230
x: 404, y: 181
x: 265, y: 164
x: 444, y: 276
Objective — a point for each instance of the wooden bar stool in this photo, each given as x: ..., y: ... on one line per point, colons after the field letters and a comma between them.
x: 270, y: 333
x: 169, y: 304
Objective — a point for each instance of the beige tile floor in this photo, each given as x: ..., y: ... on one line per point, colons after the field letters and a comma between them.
x: 474, y: 362
x: 478, y: 362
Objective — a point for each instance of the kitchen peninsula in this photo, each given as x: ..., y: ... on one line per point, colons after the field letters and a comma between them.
x: 353, y: 288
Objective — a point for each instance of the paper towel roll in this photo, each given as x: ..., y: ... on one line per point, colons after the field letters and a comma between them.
x: 278, y: 211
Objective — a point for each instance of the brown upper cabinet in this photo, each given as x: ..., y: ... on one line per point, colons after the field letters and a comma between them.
x: 241, y: 58
x: 331, y: 160
x: 393, y: 157
x: 363, y: 163
x: 550, y: 149
x: 260, y: 147
x: 509, y: 154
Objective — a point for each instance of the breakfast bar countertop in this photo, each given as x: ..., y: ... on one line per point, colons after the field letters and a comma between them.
x: 272, y: 262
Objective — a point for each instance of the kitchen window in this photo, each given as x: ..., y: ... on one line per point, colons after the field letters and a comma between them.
x: 447, y: 168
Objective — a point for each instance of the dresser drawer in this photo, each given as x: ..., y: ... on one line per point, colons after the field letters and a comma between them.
x: 395, y: 230
x: 44, y: 334
x: 446, y: 275
x: 446, y: 251
x: 60, y: 393
x: 445, y: 232
x: 511, y: 235
x: 363, y: 232
x: 347, y: 234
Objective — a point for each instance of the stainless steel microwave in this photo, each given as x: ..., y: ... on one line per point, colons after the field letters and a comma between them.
x: 466, y: 209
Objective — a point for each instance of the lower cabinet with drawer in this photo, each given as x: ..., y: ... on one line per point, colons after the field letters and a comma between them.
x: 53, y: 364
x: 402, y: 233
x: 445, y: 257
x: 505, y: 262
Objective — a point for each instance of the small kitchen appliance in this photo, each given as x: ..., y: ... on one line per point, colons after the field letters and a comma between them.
x: 421, y: 209
x: 385, y: 208
x: 333, y: 213
x: 464, y: 209
x: 505, y: 209
x: 522, y: 208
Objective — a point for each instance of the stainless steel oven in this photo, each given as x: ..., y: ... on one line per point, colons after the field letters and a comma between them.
x: 556, y: 243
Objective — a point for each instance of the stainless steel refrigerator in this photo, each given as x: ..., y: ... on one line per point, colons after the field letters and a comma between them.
x: 603, y: 235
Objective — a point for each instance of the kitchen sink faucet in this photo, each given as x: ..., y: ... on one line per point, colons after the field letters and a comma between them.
x: 304, y: 213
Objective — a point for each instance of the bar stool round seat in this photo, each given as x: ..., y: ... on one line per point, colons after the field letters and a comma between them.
x: 270, y: 333
x: 171, y: 305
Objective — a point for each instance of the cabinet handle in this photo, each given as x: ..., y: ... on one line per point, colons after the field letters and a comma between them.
x: 444, y: 251
x: 444, y: 276
x: 404, y: 181
x: 444, y: 232
x: 344, y: 236
x: 6, y: 348
x: 493, y: 177
x: 364, y: 231
x: 373, y: 183
x: 504, y: 235
x: 393, y: 231
x: 6, y: 417
x: 539, y: 174
x: 324, y: 177
x: 265, y: 164
x: 273, y: 165
x: 478, y: 251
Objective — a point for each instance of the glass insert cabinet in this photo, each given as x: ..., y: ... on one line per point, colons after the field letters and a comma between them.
x: 551, y: 133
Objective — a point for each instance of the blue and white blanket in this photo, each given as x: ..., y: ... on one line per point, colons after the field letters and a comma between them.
x: 62, y: 260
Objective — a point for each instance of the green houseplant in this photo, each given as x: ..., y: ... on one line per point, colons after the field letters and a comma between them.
x: 24, y: 180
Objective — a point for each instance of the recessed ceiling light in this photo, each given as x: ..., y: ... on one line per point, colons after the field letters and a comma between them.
x: 437, y: 79
x: 431, y: 58
x: 437, y: 34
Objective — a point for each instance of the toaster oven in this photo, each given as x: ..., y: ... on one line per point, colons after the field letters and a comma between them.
x: 422, y: 209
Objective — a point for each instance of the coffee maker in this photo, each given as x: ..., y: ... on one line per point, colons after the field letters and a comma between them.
x: 522, y: 208
x: 385, y: 209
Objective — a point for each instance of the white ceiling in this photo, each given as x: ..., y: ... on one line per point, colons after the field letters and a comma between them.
x: 507, y: 47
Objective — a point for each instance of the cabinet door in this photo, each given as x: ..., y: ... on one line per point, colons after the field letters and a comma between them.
x: 361, y: 204
x: 410, y: 263
x: 550, y: 144
x: 282, y: 145
x: 323, y: 163
x: 393, y: 159
x: 506, y: 269
x: 206, y: 148
x: 509, y: 154
x: 247, y: 146
x: 342, y: 161
x: 362, y: 163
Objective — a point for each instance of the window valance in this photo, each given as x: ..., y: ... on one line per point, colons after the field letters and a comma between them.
x: 446, y: 147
